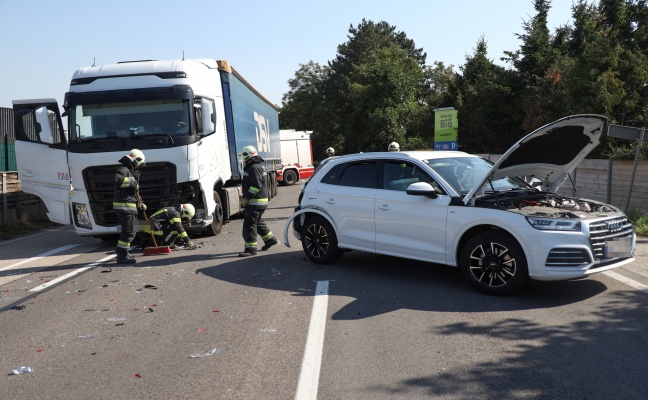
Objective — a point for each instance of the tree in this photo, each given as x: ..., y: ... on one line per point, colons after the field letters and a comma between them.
x: 487, y: 103
x: 364, y: 99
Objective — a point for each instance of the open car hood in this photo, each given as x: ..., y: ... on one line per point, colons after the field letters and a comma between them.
x: 549, y: 153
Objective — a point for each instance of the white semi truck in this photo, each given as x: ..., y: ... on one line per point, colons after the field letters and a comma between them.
x: 191, y: 118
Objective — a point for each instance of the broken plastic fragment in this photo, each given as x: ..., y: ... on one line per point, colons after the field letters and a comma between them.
x: 209, y: 352
x: 89, y: 336
x: 22, y: 370
x: 116, y: 319
x: 269, y: 329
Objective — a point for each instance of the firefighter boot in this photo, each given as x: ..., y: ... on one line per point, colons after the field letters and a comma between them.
x: 271, y: 242
x: 249, y: 251
x: 123, y: 257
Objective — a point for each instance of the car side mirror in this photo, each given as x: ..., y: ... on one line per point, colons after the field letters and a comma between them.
x: 422, y: 189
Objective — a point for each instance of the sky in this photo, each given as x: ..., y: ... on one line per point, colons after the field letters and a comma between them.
x: 44, y: 42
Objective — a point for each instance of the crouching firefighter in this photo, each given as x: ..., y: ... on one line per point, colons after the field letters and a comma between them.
x: 166, y: 224
x: 255, y: 202
x: 126, y: 201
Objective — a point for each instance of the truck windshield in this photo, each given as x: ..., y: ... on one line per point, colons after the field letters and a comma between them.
x: 130, y: 119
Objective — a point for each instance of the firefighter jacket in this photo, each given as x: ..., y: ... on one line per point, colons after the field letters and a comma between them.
x: 126, y: 187
x: 169, y: 221
x: 255, y: 183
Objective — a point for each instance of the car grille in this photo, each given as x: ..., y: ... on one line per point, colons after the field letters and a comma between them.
x: 603, y: 230
x: 157, y: 188
x: 567, y: 257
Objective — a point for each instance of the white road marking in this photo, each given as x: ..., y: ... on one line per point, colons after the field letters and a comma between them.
x: 48, y: 253
x: 35, y: 234
x: 70, y: 274
x: 627, y: 281
x: 312, y: 361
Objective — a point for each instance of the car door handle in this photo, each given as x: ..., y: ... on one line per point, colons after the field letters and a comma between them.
x: 384, y: 207
x: 331, y: 201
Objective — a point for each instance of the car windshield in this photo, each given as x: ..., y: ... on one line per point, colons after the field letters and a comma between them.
x: 463, y: 173
x: 130, y: 119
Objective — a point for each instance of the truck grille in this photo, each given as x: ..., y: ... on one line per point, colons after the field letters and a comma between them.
x: 566, y: 257
x: 602, y: 230
x: 157, y: 188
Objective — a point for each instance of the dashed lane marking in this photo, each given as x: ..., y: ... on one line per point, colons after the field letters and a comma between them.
x: 627, y: 281
x: 312, y: 361
x: 71, y: 274
x: 48, y: 253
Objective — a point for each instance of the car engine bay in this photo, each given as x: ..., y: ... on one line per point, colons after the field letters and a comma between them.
x: 534, y: 203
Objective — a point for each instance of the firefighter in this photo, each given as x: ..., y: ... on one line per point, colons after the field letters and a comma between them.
x: 330, y: 152
x: 255, y: 202
x: 393, y: 146
x: 126, y: 201
x: 167, y: 225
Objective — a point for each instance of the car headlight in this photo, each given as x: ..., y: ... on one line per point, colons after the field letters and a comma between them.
x: 554, y: 224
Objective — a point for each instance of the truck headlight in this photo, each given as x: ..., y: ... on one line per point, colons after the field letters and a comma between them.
x: 554, y: 224
x: 81, y: 217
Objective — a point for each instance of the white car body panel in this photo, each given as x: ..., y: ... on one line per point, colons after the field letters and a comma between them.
x: 433, y: 226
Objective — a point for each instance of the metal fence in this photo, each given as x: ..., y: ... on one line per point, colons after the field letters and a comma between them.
x: 7, y: 140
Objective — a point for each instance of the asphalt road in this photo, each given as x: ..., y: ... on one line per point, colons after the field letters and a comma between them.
x: 276, y: 326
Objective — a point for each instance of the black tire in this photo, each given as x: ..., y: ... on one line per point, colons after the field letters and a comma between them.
x: 290, y: 177
x: 217, y: 224
x: 271, y: 184
x: 320, y: 241
x: 275, y: 185
x: 494, y: 263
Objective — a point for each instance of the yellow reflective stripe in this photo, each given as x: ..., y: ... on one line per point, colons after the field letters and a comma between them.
x: 123, y: 245
x: 183, y: 235
x: 259, y: 200
x: 250, y: 244
x: 124, y: 183
x: 174, y: 220
x: 254, y: 189
x: 124, y: 206
x: 157, y: 212
x: 268, y: 236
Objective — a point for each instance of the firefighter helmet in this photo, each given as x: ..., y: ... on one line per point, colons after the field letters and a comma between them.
x: 137, y: 157
x: 393, y: 146
x: 187, y: 211
x: 248, y: 152
x: 331, y: 151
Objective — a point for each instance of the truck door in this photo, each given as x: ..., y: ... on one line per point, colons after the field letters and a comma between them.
x: 41, y: 155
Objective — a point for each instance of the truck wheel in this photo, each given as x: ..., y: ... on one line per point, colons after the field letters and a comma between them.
x: 290, y: 177
x: 275, y: 185
x: 494, y: 263
x: 271, y: 184
x: 319, y: 241
x: 217, y: 224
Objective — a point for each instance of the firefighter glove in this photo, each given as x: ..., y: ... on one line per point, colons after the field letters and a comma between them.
x: 243, y: 203
x: 189, y: 245
x: 142, y: 206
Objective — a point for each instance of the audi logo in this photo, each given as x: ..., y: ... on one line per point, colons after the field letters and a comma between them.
x: 614, y: 226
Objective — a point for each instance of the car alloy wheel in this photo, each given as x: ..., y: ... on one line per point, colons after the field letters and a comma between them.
x: 494, y: 263
x: 319, y: 241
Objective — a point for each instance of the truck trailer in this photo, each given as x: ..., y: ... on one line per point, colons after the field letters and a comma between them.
x: 190, y: 117
x: 296, y: 156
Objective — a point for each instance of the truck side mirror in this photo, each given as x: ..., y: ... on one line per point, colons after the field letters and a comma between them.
x: 43, y: 127
x: 208, y: 116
